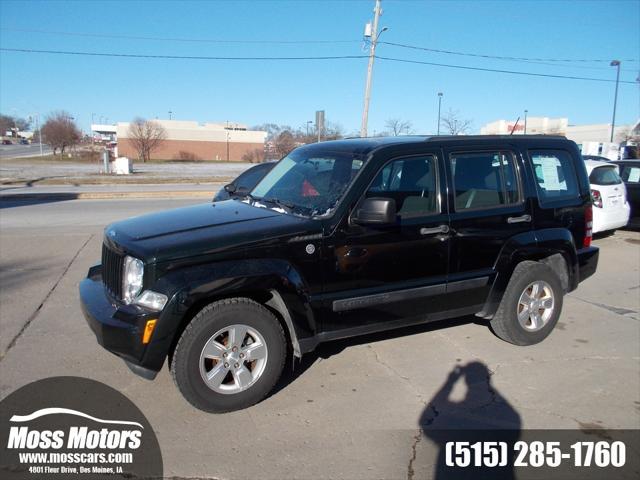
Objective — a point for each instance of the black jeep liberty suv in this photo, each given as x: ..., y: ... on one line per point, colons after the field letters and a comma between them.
x: 340, y: 239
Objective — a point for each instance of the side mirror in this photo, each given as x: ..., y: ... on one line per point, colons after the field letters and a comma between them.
x: 375, y: 211
x: 230, y: 188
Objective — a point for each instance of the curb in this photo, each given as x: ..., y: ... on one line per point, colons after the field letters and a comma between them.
x: 107, y: 195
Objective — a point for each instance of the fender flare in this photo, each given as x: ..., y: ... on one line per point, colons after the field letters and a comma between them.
x: 541, y: 245
x: 275, y: 282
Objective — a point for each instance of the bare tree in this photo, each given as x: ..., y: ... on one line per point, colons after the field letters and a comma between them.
x: 60, y: 131
x: 332, y: 131
x: 285, y: 142
x: 13, y: 124
x: 6, y: 124
x: 453, y: 124
x: 628, y: 136
x: 397, y: 127
x: 254, y: 156
x: 146, y: 136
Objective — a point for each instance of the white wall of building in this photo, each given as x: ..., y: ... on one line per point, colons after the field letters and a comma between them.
x: 209, y: 132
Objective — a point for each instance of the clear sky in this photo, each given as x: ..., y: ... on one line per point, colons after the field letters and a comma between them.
x: 289, y: 92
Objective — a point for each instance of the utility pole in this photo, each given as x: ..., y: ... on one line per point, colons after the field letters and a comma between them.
x: 372, y: 54
x: 525, y: 121
x: 615, y: 63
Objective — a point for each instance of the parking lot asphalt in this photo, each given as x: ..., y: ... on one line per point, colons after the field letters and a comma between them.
x: 354, y: 409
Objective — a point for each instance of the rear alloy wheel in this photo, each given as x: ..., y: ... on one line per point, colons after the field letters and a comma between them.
x: 230, y: 356
x: 535, y: 306
x: 530, y: 306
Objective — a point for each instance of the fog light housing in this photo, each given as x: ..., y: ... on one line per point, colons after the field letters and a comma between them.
x: 152, y: 300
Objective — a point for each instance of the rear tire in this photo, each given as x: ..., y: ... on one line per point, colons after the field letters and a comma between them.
x: 230, y: 356
x: 531, y: 305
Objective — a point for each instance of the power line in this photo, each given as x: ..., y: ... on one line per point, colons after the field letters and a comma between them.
x: 177, y: 39
x: 333, y: 57
x: 177, y: 57
x: 512, y: 72
x: 498, y: 57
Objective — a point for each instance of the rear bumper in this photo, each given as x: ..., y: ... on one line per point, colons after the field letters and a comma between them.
x: 606, y: 219
x: 587, y: 262
x: 118, y: 328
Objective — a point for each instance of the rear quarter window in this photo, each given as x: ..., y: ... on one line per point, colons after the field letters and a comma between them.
x: 604, y: 176
x: 555, y: 175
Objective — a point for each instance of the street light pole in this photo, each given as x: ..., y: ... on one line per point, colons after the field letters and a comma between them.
x: 372, y: 55
x: 170, y: 112
x: 308, y: 122
x: 615, y: 63
x: 439, y: 107
x: 227, y: 146
x: 525, y: 121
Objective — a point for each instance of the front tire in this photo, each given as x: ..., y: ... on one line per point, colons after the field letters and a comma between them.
x: 230, y: 356
x: 531, y: 305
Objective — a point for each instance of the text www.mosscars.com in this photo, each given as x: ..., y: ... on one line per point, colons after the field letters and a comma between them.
x: 63, y: 458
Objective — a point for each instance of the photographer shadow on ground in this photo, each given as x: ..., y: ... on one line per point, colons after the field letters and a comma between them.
x: 468, y: 408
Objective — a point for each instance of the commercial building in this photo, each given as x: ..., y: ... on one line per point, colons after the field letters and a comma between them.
x: 186, y: 140
x: 593, y: 139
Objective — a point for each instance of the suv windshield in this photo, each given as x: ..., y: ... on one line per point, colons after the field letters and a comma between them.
x: 308, y: 181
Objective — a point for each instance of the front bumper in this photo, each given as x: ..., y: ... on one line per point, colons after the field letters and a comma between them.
x: 587, y: 262
x: 117, y: 327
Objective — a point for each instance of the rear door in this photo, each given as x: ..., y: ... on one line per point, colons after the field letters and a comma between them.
x: 487, y: 208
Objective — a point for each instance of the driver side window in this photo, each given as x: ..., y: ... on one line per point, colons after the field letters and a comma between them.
x: 411, y: 182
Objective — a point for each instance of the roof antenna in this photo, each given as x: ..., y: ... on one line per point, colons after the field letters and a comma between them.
x: 514, y: 126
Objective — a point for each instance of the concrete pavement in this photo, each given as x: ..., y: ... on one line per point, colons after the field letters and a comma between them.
x: 354, y: 409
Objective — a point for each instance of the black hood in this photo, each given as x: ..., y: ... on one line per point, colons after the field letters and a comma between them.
x: 202, y: 229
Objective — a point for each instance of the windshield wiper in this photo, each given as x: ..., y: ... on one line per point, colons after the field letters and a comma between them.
x: 252, y: 198
x: 281, y: 203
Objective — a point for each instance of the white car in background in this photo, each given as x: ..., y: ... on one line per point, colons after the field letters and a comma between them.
x: 610, y: 206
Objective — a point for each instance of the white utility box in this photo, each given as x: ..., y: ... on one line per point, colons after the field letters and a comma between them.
x: 122, y: 166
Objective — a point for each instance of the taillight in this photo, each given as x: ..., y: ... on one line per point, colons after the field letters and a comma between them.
x: 588, y: 226
x: 597, y: 198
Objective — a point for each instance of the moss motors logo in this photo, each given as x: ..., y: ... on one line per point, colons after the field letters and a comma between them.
x: 77, y: 437
x: 74, y: 426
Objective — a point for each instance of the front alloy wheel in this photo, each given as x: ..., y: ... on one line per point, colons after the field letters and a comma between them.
x: 233, y: 359
x: 221, y: 364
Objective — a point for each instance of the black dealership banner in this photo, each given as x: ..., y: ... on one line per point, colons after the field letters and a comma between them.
x: 72, y: 427
x: 592, y: 452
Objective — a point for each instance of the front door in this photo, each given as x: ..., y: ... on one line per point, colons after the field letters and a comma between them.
x: 393, y: 274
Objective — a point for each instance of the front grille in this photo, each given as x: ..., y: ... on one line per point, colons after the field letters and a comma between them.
x: 112, y: 265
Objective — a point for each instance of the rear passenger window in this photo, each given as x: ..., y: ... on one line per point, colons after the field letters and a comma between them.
x: 411, y: 182
x: 555, y: 175
x: 604, y: 176
x: 484, y: 180
x: 631, y: 174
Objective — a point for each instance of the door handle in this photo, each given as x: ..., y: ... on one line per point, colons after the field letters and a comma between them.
x: 431, y: 231
x: 521, y: 219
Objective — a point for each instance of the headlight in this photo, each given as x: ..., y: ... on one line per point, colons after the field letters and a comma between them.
x: 132, y: 279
